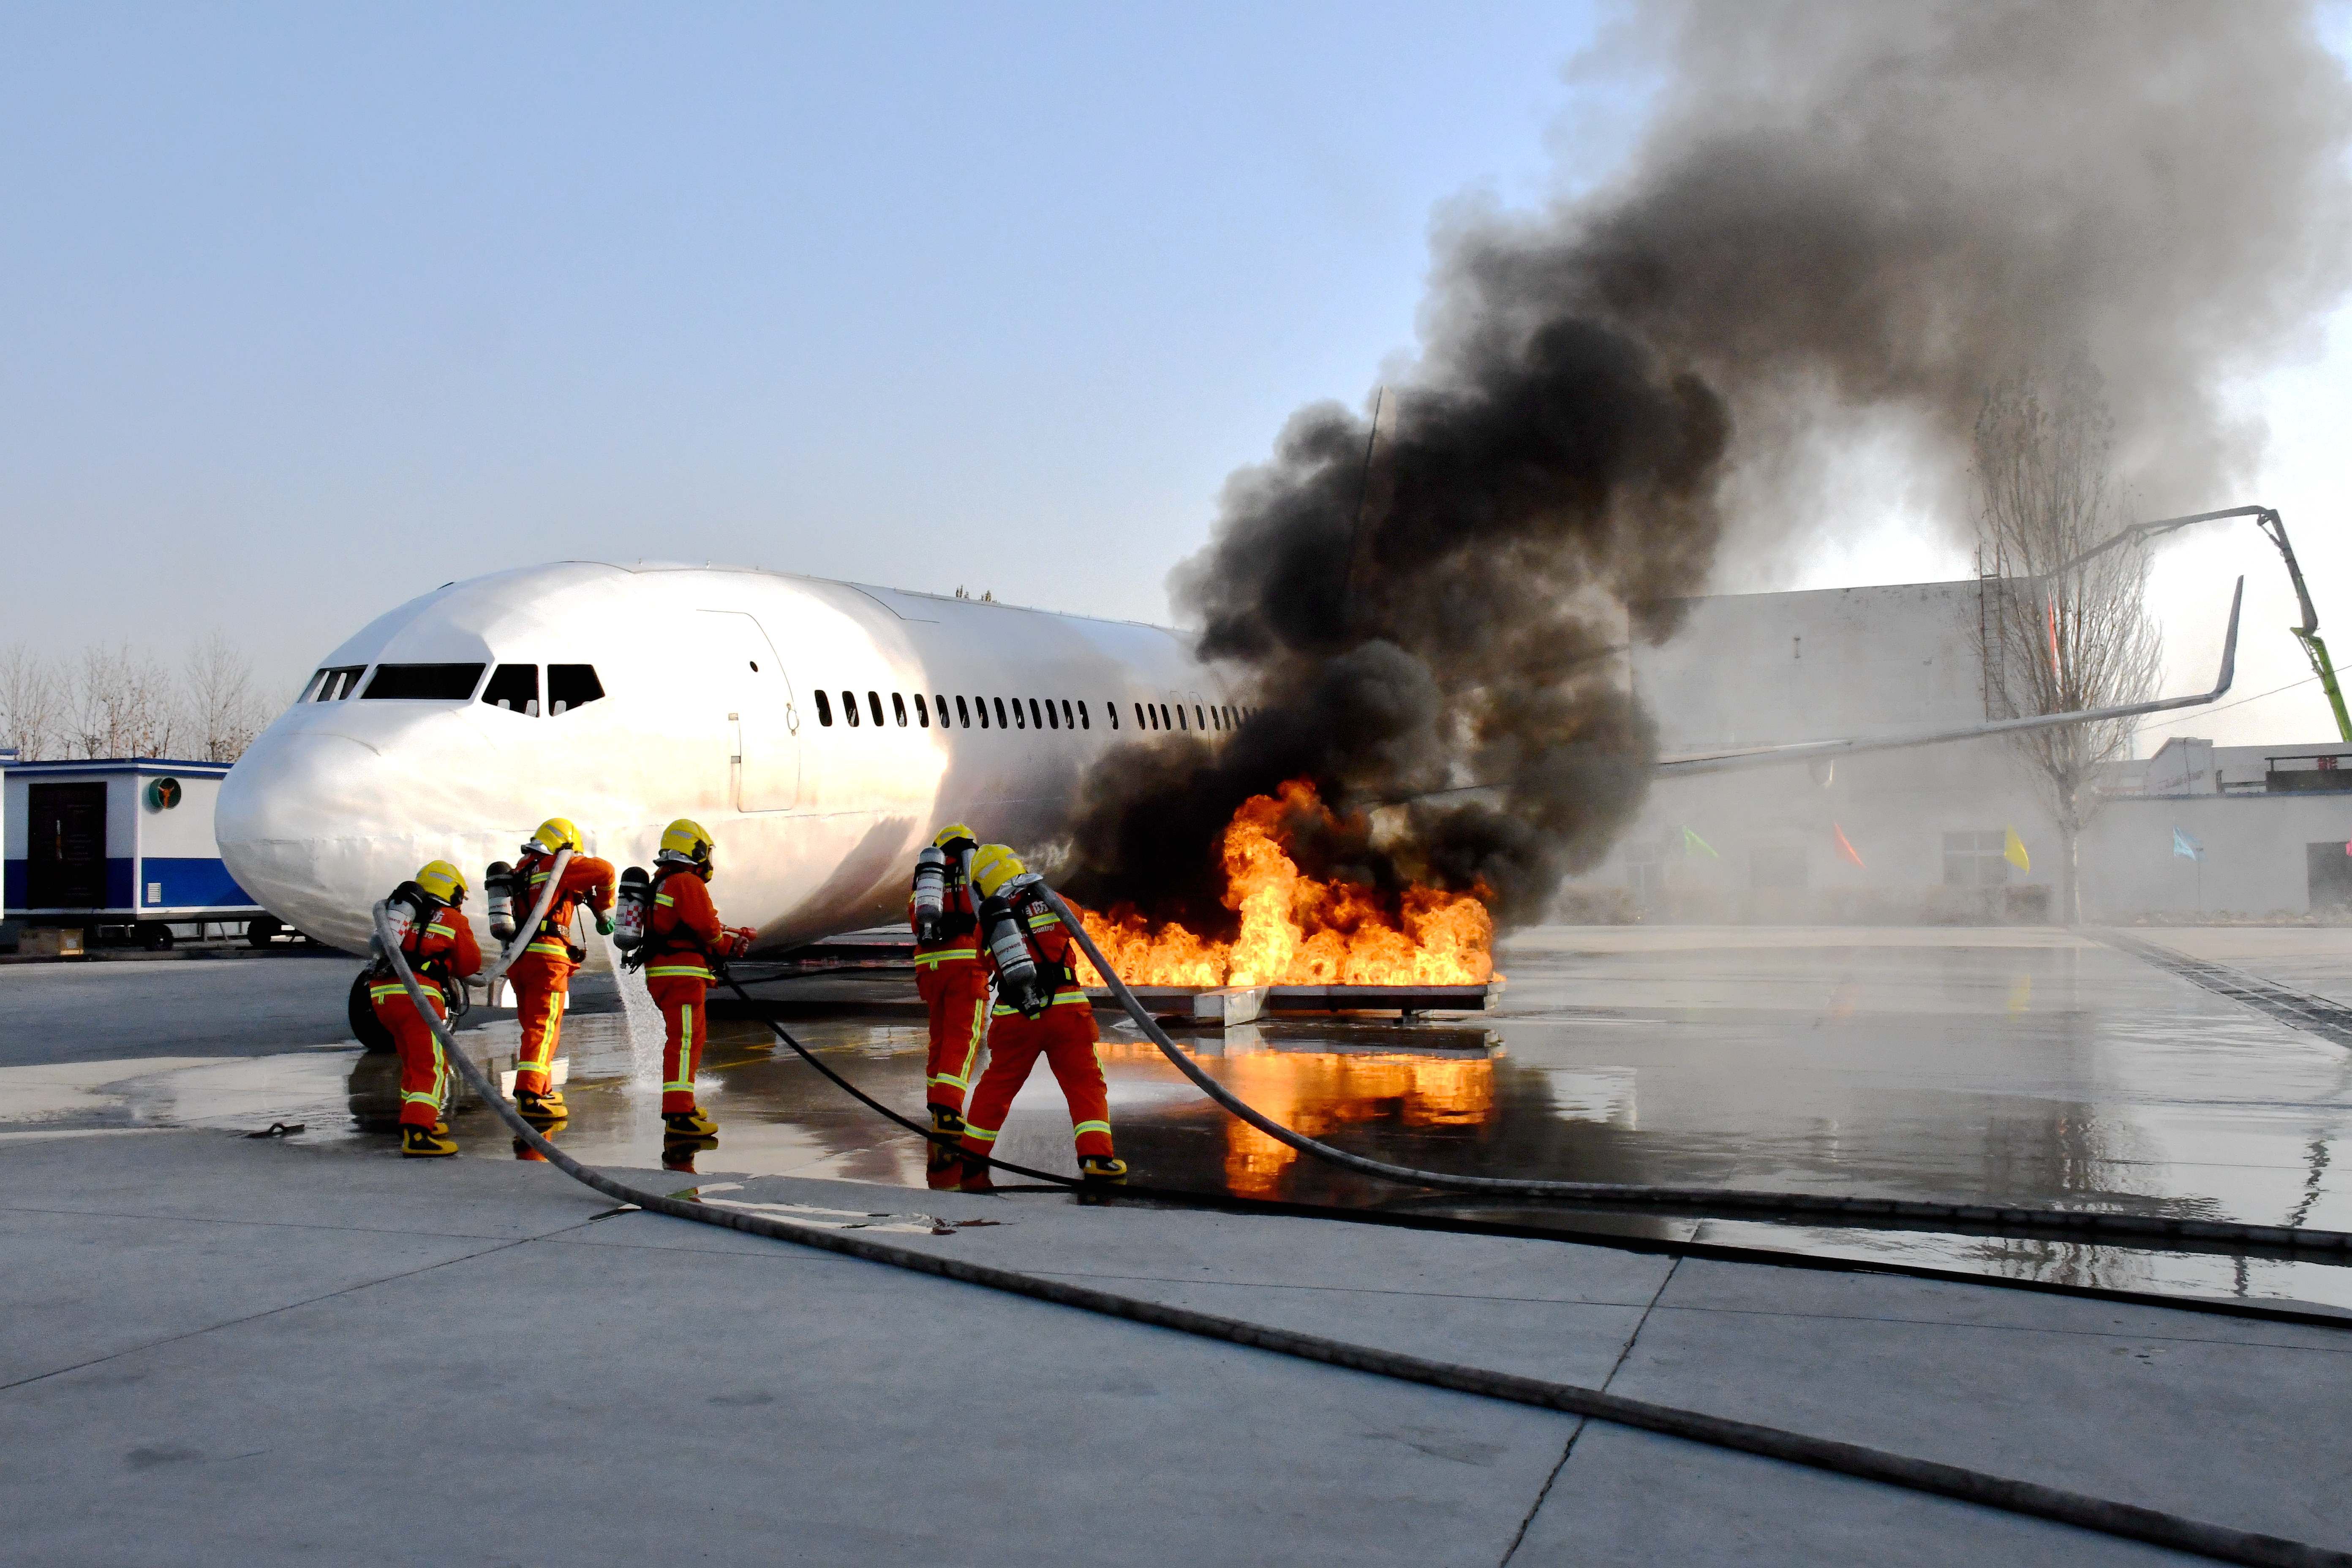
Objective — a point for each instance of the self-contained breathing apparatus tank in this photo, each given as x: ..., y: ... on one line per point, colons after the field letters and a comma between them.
x: 1018, y: 983
x: 499, y: 888
x: 408, y: 907
x: 930, y: 893
x: 633, y: 912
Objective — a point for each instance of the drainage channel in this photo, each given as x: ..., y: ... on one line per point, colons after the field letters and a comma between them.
x: 2298, y: 1009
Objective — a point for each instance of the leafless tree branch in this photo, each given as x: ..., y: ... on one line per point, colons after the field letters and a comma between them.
x: 2058, y: 643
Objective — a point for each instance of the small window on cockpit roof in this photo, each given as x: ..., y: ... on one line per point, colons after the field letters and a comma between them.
x: 513, y: 686
x: 424, y: 682
x: 571, y: 685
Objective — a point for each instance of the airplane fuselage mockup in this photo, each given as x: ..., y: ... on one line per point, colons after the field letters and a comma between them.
x: 823, y: 732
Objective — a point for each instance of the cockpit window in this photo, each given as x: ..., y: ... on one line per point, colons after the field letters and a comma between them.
x: 515, y: 688
x: 334, y: 685
x: 424, y: 682
x: 571, y: 685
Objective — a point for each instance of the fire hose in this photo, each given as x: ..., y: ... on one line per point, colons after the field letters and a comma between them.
x: 1728, y: 1201
x: 526, y: 930
x: 2104, y: 1515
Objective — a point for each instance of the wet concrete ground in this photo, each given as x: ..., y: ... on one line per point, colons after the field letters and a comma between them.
x: 2015, y: 1067
x: 221, y: 1350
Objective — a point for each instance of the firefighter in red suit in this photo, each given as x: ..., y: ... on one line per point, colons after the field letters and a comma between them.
x: 439, y: 947
x: 953, y: 983
x: 542, y: 975
x: 1041, y: 1010
x: 683, y: 939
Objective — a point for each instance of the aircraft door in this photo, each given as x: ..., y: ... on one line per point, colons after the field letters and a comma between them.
x: 751, y: 694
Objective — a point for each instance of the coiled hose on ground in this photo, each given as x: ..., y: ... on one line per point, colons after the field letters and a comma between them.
x: 2101, y: 1514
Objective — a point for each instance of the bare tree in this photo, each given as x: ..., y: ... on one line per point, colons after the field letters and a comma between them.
x: 223, y: 712
x: 2052, y: 640
x: 30, y: 702
x: 122, y: 704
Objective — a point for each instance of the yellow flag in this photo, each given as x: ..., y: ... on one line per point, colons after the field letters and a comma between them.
x: 2014, y: 852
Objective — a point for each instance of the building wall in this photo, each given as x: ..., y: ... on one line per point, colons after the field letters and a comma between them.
x: 2256, y: 853
x: 1755, y: 669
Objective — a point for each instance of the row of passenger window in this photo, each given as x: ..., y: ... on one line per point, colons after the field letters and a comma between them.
x: 513, y: 686
x: 1021, y: 713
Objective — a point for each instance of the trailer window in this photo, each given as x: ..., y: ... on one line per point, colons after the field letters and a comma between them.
x: 513, y: 686
x: 424, y: 682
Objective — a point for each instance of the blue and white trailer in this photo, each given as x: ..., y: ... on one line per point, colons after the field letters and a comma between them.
x: 117, y: 844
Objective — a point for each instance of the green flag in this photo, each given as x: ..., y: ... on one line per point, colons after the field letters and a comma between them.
x: 1694, y: 845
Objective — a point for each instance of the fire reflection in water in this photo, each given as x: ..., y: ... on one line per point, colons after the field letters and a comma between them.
x: 1316, y: 1092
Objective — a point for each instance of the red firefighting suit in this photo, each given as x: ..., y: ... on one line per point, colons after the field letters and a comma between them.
x: 953, y: 985
x: 542, y: 975
x: 679, y: 942
x: 1064, y: 1034
x: 441, y: 946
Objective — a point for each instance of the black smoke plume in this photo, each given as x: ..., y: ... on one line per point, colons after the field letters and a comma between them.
x: 1840, y: 216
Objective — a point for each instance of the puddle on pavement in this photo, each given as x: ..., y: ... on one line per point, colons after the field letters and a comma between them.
x: 2063, y: 1075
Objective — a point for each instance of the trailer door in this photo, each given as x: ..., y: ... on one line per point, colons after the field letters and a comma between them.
x: 65, y: 846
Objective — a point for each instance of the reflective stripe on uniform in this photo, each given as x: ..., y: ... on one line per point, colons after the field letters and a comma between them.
x: 684, y: 1054
x: 440, y: 1090
x: 1061, y: 999
x: 676, y: 972
x: 947, y: 955
x: 552, y: 948
x: 979, y: 1134
x: 664, y: 901
x: 1080, y: 1129
x: 533, y: 1061
x: 973, y: 1037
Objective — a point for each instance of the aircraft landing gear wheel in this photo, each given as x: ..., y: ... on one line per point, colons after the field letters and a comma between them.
x: 260, y: 928
x: 155, y: 936
x: 366, y: 1028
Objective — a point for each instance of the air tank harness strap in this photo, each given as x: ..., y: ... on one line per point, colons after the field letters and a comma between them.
x: 2101, y: 1514
x: 527, y: 931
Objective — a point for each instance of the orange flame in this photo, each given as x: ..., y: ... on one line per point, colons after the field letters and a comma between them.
x: 1296, y: 930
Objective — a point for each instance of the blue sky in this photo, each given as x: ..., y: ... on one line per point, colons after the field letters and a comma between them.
x: 308, y: 309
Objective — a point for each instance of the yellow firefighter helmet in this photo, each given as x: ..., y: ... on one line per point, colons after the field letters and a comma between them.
x: 686, y: 842
x: 443, y: 881
x: 994, y: 867
x: 951, y: 832
x: 556, y: 833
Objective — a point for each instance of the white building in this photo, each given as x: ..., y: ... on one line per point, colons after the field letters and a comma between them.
x: 1926, y: 834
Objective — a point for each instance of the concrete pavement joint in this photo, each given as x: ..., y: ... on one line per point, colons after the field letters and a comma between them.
x: 276, y: 1224
x: 267, y: 1312
x: 1338, y: 1289
x: 2007, y: 1328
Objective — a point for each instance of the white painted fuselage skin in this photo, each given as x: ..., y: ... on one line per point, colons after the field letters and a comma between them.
x: 710, y: 710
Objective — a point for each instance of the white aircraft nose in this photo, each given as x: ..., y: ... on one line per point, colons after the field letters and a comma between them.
x: 301, y: 823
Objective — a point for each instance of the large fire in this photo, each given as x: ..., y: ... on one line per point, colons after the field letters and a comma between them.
x: 1296, y: 931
